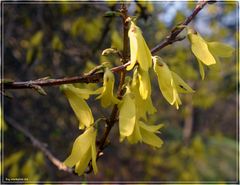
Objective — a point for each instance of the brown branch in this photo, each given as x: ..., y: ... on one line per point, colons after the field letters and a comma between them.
x: 113, y: 117
x: 85, y: 78
x: 177, y: 30
x: 41, y: 146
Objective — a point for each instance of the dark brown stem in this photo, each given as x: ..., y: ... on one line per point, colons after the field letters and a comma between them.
x: 41, y: 146
x: 113, y: 117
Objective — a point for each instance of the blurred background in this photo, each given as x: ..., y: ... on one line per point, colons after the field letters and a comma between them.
x: 67, y: 39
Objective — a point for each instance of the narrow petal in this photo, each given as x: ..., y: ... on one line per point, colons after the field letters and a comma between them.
x: 200, y: 49
x: 80, y: 107
x: 142, y: 106
x: 84, y: 93
x: 220, y: 49
x: 83, y: 163
x: 181, y: 86
x: 178, y: 100
x: 107, y: 97
x: 149, y: 106
x: 150, y: 138
x: 164, y: 79
x: 144, y: 55
x: 136, y: 135
x: 144, y: 84
x: 133, y: 45
x: 127, y: 115
x: 80, y: 147
x: 150, y: 128
x: 94, y: 154
x: 201, y: 69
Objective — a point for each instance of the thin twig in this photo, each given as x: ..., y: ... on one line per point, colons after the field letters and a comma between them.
x: 177, y: 30
x: 39, y: 145
x: 113, y: 116
x: 105, y: 31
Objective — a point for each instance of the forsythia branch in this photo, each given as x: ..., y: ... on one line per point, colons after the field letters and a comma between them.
x: 97, y: 77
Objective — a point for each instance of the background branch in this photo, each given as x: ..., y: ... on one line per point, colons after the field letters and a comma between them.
x: 41, y: 146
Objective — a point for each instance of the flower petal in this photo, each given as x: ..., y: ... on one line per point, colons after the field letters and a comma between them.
x: 80, y: 147
x: 83, y: 163
x: 150, y: 138
x: 107, y: 97
x: 127, y: 115
x: 133, y: 46
x: 79, y: 106
x: 165, y: 79
x: 201, y: 69
x: 200, y: 49
x: 150, y: 128
x: 144, y: 55
x: 220, y: 49
x: 94, y: 153
x: 136, y: 135
x: 181, y: 86
x: 144, y: 84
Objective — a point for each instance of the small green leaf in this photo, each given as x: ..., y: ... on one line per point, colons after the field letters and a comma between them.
x: 39, y: 89
x: 112, y: 14
x: 109, y: 51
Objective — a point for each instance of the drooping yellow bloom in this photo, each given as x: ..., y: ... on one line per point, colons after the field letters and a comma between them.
x: 127, y: 114
x: 207, y: 52
x: 84, y: 150
x: 106, y: 96
x: 146, y: 133
x: 81, y: 109
x: 143, y: 106
x: 169, y: 82
x: 138, y: 49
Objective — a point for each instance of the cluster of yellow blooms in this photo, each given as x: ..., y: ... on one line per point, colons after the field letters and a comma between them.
x: 136, y: 103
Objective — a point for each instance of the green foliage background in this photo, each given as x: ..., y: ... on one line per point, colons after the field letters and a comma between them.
x: 63, y: 39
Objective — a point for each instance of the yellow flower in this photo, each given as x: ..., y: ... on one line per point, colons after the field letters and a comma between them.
x: 139, y: 49
x: 143, y: 106
x: 81, y: 109
x: 106, y: 96
x: 207, y: 52
x: 84, y: 150
x: 169, y: 82
x: 146, y: 133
